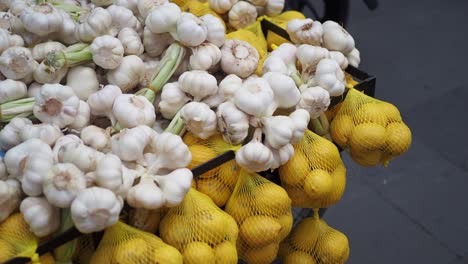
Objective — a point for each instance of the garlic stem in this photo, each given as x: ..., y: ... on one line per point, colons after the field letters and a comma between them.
x: 147, y: 93
x: 56, y: 60
x: 177, y: 125
x: 21, y: 107
x: 144, y: 219
x: 294, y: 74
x: 324, y: 120
x: 317, y: 127
x: 64, y: 253
x: 167, y: 66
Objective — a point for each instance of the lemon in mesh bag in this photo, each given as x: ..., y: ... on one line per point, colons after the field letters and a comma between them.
x: 219, y: 182
x: 122, y: 243
x: 281, y: 21
x: 372, y: 130
x: 200, y: 230
x: 315, y: 177
x: 262, y: 210
x: 314, y: 241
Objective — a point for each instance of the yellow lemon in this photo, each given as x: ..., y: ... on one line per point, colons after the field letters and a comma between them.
x: 338, y: 187
x: 299, y: 257
x: 133, y: 250
x: 175, y: 231
x: 398, y: 138
x: 295, y: 170
x: 209, y: 226
x: 305, y: 234
x: 199, y: 252
x: 202, y: 154
x: 215, y: 189
x: 367, y: 136
x: 333, y: 247
x: 391, y: 112
x: 167, y: 255
x: 370, y: 113
x: 258, y: 231
x: 226, y: 253
x: 7, y: 251
x: 263, y: 255
x: 240, y: 206
x: 228, y: 173
x: 323, y: 154
x: 341, y: 128
x: 286, y: 222
x: 268, y: 192
x: 367, y: 158
x: 232, y: 230
x: 298, y: 196
x: 317, y: 185
x: 15, y: 231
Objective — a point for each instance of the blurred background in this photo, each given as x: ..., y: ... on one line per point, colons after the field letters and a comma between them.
x: 416, y: 210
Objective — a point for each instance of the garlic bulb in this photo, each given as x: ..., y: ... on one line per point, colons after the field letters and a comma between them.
x: 146, y: 194
x: 221, y: 6
x: 257, y: 2
x: 232, y: 123
x: 47, y: 133
x: 122, y: 18
x: 309, y: 57
x: 62, y: 141
x: 254, y: 156
x: 83, y: 81
x: 43, y: 218
x: 95, y: 137
x: 199, y: 84
x: 337, y: 38
x: 216, y: 29
x: 163, y: 18
x: 170, y: 152
x: 354, y: 58
x: 275, y: 64
x: 172, y: 99
x: 315, y: 100
x: 40, y: 50
x: 305, y: 31
x: 101, y: 102
x: 80, y: 155
x: 145, y: 6
x: 42, y: 74
x: 34, y: 89
x: 205, y: 56
x: 191, y: 31
x: 199, y: 119
x: 17, y: 6
x: 66, y: 34
x: 278, y: 130
x: 17, y: 63
x: 107, y: 52
x: 10, y: 135
x: 130, y: 4
x: 286, y: 93
x: 151, y: 64
x: 255, y: 97
x: 131, y: 41
x: 175, y: 186
x: 274, y: 7
x: 41, y: 19
x: 287, y: 53
x: 133, y: 110
x: 10, y: 197
x: 109, y: 172
x: 94, y: 24
x: 281, y: 156
x: 11, y: 90
x: 301, y: 120
x: 56, y: 104
x: 62, y: 183
x: 339, y: 58
x: 330, y: 77
x: 129, y: 144
x: 83, y: 117
x: 28, y: 162
x: 156, y: 44
x: 94, y: 209
x: 242, y: 14
x: 128, y: 74
x: 229, y: 85
x: 239, y: 58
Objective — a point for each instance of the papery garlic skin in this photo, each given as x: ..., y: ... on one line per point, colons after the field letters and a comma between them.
x: 281, y: 156
x: 145, y: 6
x: 205, y: 56
x: 150, y: 64
x: 11, y: 90
x: 278, y: 130
x: 62, y: 184
x: 170, y: 152
x: 275, y: 64
x: 40, y: 50
x: 129, y: 144
x: 232, y: 123
x: 109, y: 172
x: 34, y: 89
x: 101, y: 102
x: 107, y: 52
x: 163, y: 18
x: 309, y: 57
x: 172, y: 99
x: 43, y: 218
x: 42, y: 74
x: 229, y: 85
x: 354, y: 58
x: 274, y: 7
x: 57, y: 104
x: 131, y: 41
x: 133, y: 110
x: 191, y: 31
x: 62, y: 141
x: 10, y: 197
x: 80, y: 155
x: 97, y: 23
x: 146, y: 194
x: 10, y: 135
x: 287, y: 52
x: 315, y: 100
x: 47, y: 133
x: 199, y: 84
x: 254, y: 157
x: 17, y: 63
x: 239, y: 58
x: 41, y: 19
x: 121, y: 18
x: 128, y: 74
x: 95, y: 137
x: 221, y: 6
x: 255, y: 97
x: 130, y: 4
x: 83, y: 117
x: 175, y: 186
x: 286, y: 93
x: 156, y: 44
x: 242, y: 14
x: 66, y: 34
x: 305, y: 31
x: 216, y: 30
x: 301, y: 120
x: 336, y: 38
x: 199, y: 119
x: 94, y: 209
x: 339, y: 58
x: 83, y: 81
x: 330, y: 77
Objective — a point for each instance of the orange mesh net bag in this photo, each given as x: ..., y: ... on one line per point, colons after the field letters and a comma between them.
x: 315, y: 177
x: 122, y: 243
x: 371, y: 130
x: 262, y: 210
x: 313, y: 241
x: 200, y: 230
x: 219, y: 182
x: 84, y: 249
